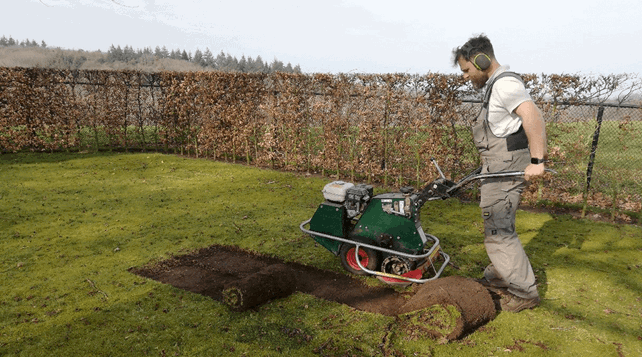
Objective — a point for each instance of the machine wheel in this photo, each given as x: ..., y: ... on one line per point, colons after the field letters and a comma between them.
x: 367, y: 257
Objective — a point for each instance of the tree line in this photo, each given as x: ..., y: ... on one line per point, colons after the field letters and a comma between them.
x: 5, y: 42
x: 222, y: 62
x: 146, y: 56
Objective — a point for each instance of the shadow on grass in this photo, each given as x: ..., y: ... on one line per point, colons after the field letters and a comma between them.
x: 595, y: 278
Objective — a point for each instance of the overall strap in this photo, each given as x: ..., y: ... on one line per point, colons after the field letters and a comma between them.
x: 490, y: 86
x: 485, y: 140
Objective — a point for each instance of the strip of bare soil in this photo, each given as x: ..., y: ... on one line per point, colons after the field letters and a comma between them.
x: 210, y: 271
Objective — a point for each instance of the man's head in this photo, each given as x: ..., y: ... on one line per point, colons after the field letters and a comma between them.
x: 476, y: 59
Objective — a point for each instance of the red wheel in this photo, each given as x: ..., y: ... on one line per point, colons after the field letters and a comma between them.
x: 367, y: 257
x: 351, y: 259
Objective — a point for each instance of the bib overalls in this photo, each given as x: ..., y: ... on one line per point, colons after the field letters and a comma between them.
x: 510, y: 267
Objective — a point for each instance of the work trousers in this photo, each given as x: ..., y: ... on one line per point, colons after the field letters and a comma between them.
x: 510, y: 267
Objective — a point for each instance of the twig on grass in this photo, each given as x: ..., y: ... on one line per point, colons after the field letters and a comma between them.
x: 94, y: 286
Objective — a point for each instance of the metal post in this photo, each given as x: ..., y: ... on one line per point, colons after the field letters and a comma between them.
x: 596, y: 137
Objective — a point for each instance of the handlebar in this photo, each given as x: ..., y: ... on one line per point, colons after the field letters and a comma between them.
x: 442, y: 188
x: 476, y: 175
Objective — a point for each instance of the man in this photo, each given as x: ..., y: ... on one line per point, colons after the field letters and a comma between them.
x: 510, y: 135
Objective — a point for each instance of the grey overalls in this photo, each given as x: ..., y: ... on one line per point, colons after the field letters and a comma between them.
x: 510, y: 267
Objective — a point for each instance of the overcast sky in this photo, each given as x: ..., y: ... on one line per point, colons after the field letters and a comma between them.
x: 344, y: 36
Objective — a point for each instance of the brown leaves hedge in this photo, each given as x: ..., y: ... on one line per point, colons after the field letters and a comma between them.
x: 374, y: 127
x: 365, y: 127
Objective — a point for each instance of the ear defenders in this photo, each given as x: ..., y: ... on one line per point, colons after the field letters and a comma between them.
x: 481, y: 61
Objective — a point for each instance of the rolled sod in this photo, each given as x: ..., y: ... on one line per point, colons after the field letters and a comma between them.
x: 272, y: 282
x: 447, y: 308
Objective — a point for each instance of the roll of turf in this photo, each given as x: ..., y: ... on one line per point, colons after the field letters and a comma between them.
x: 448, y: 308
x: 272, y: 282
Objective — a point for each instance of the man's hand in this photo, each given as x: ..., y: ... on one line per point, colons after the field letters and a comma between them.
x: 533, y: 171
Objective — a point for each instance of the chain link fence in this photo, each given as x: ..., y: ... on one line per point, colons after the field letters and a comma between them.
x: 602, y: 145
x: 596, y: 148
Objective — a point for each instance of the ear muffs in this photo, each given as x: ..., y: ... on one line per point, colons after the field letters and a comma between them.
x: 481, y: 61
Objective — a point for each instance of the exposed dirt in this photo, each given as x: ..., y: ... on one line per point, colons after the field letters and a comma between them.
x: 244, y: 280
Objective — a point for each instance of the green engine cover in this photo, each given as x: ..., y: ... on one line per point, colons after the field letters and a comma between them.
x: 383, y: 216
x: 330, y: 218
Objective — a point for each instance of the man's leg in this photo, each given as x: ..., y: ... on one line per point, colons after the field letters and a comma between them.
x: 510, y: 267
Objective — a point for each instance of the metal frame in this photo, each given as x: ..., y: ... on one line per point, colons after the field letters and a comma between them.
x: 385, y: 250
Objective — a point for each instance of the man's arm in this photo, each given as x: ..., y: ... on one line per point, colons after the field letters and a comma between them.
x: 535, y: 129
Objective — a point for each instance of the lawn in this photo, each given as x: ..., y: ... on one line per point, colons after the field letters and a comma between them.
x: 71, y: 225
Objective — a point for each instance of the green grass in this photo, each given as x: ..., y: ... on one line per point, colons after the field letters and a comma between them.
x: 72, y: 224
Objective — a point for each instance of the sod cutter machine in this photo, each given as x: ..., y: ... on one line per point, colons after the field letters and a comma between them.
x: 382, y: 235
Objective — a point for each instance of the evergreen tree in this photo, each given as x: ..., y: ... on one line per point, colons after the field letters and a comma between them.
x: 11, y: 41
x: 255, y: 65
x: 158, y: 53
x: 185, y: 56
x: 110, y: 52
x: 115, y: 54
x: 198, y: 58
x: 120, y: 54
x: 262, y: 65
x: 220, y: 61
x: 164, y: 52
x: 43, y: 44
x: 242, y: 65
x: 128, y: 54
x: 250, y: 65
x: 277, y: 66
x: 4, y: 41
x: 232, y: 63
x: 208, y: 58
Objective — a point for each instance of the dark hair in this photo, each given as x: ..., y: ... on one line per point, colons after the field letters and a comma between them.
x: 475, y: 45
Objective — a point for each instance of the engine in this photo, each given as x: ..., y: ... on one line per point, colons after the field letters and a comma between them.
x: 354, y: 198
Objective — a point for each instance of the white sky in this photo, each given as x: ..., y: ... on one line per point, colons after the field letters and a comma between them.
x: 342, y: 36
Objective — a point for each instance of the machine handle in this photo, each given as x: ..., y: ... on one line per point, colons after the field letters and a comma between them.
x: 478, y: 176
x: 434, y: 162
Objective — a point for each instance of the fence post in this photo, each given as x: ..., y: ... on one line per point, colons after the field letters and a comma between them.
x: 589, y: 169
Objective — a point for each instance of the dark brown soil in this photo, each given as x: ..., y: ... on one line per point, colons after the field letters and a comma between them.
x: 256, y: 279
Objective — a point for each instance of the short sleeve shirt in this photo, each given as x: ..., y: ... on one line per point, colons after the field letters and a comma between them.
x: 508, y: 93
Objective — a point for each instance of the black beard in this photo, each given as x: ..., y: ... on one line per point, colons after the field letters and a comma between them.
x: 479, y: 85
